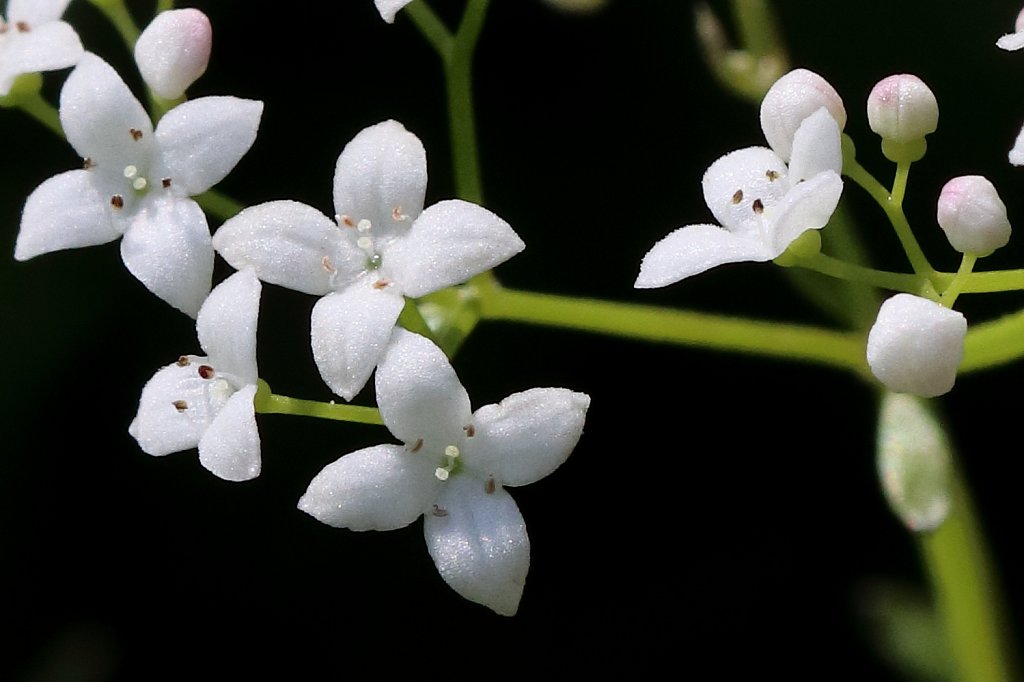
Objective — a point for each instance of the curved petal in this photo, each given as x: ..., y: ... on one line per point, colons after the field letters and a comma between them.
x: 65, y: 212
x: 1016, y: 155
x: 740, y: 184
x: 419, y: 394
x: 450, y: 242
x: 816, y: 147
x: 389, y: 8
x: 102, y: 119
x: 290, y: 244
x: 1011, y: 41
x: 349, y: 331
x: 230, y: 448
x: 176, y: 408
x: 202, y: 140
x: 227, y: 325
x: 48, y: 47
x: 527, y: 435
x: 381, y: 176
x: 378, y: 488
x: 479, y: 544
x: 693, y: 249
x: 167, y: 247
x: 36, y: 12
x: 808, y: 206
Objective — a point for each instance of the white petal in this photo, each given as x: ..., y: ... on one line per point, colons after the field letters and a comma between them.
x: 738, y: 185
x: 916, y: 345
x: 173, y: 51
x: 99, y: 114
x: 450, y: 242
x: 378, y: 488
x: 693, y: 249
x: 816, y: 147
x: 527, y: 435
x: 230, y: 448
x: 47, y: 47
x: 290, y: 244
x: 36, y: 12
x: 349, y: 331
x: 381, y: 176
x: 479, y: 544
x: 790, y: 100
x: 176, y: 408
x: 227, y: 325
x: 1016, y: 155
x: 808, y: 206
x: 65, y: 212
x: 167, y: 247
x: 202, y: 140
x: 419, y: 394
x: 1011, y: 41
x: 389, y: 8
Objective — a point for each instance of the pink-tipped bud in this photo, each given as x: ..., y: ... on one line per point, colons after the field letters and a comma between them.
x: 902, y: 108
x: 790, y: 100
x: 973, y: 216
x: 173, y: 51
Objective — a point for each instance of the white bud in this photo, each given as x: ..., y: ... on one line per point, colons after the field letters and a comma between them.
x: 790, y: 100
x: 914, y: 460
x: 973, y: 216
x: 916, y: 345
x: 902, y: 108
x: 173, y: 51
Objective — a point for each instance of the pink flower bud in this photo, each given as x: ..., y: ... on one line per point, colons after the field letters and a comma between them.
x: 973, y: 216
x: 902, y: 108
x: 790, y: 100
x: 173, y: 51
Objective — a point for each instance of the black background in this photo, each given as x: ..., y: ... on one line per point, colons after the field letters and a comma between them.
x: 721, y: 512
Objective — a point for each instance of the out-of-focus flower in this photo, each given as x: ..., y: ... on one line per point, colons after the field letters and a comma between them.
x: 136, y: 183
x: 452, y: 470
x: 381, y: 246
x: 207, y: 402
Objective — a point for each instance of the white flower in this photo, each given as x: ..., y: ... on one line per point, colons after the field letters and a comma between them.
x: 136, y: 183
x: 207, y: 402
x: 379, y: 248
x: 762, y: 204
x: 1014, y: 41
x: 174, y: 51
x: 389, y: 8
x: 451, y: 469
x: 916, y: 345
x: 33, y: 39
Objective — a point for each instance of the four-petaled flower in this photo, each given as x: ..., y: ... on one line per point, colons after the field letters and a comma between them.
x: 137, y: 182
x: 451, y: 469
x: 207, y: 402
x: 762, y: 204
x: 379, y: 248
x: 33, y: 39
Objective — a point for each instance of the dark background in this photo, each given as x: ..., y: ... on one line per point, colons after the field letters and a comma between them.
x: 720, y: 511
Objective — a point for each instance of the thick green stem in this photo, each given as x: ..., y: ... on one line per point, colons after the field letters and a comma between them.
x: 431, y: 26
x: 852, y: 272
x: 651, y: 323
x: 459, y: 82
x: 968, y: 598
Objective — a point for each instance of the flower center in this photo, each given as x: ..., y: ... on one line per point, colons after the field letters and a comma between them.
x: 451, y: 456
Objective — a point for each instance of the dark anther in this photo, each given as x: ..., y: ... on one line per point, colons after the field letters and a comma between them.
x: 183, y: 361
x: 417, y: 445
x: 180, y: 405
x: 758, y: 206
x: 737, y: 197
x: 490, y: 486
x: 771, y: 175
x: 440, y: 511
x: 117, y: 201
x: 166, y: 182
x: 206, y: 372
x: 22, y: 27
x: 136, y: 133
x: 88, y: 163
x: 470, y: 430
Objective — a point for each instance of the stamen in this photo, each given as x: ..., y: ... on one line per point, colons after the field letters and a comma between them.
x: 206, y: 372
x: 345, y: 220
x: 490, y: 486
x: 117, y: 201
x: 470, y: 430
x: 183, y: 361
x: 416, y: 446
x: 180, y: 405
x: 22, y: 26
x: 139, y: 184
x: 439, y: 511
x: 382, y: 284
x: 88, y: 163
x: 451, y: 451
x: 441, y: 473
x: 166, y: 182
x: 327, y: 265
x: 136, y: 134
x: 364, y: 225
x: 772, y: 175
x: 130, y: 171
x: 737, y: 196
x: 396, y: 214
x: 758, y: 206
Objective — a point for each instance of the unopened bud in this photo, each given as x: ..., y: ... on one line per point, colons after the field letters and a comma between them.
x: 790, y: 100
x: 973, y: 216
x: 173, y: 51
x: 916, y: 345
x: 914, y: 460
x: 902, y: 110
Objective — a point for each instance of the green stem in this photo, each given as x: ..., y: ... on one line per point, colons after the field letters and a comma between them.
x: 121, y: 18
x: 280, y: 404
x: 893, y: 210
x: 431, y: 26
x: 759, y: 32
x: 651, y: 323
x: 218, y: 205
x: 968, y: 597
x: 38, y: 108
x: 411, y: 319
x: 994, y: 343
x: 459, y: 82
x: 899, y: 183
x: 951, y: 292
x: 840, y: 269
x: 164, y: 5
